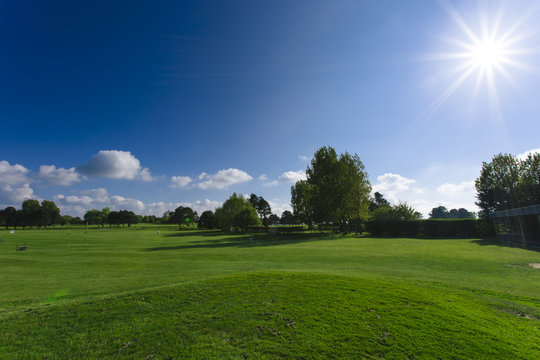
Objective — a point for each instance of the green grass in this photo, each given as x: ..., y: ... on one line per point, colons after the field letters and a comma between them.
x: 134, y: 293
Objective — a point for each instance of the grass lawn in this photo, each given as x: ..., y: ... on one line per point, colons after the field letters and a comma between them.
x: 137, y: 293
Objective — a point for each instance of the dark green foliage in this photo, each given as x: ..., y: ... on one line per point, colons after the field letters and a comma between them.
x: 94, y: 217
x: 236, y: 214
x: 431, y: 228
x: 378, y: 201
x: 262, y: 207
x: 442, y: 213
x: 207, y: 220
x: 336, y: 189
x: 507, y: 182
x: 183, y: 215
x: 287, y: 218
x: 273, y: 219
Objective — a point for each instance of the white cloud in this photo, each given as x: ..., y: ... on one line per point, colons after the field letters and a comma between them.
x: 451, y: 189
x: 292, y: 176
x: 13, y: 174
x: 180, y: 181
x: 279, y: 207
x: 14, y: 195
x: 263, y: 177
x: 223, y: 179
x: 122, y: 203
x: 59, y: 176
x: 390, y: 184
x: 14, y: 184
x: 304, y: 158
x: 524, y: 155
x: 145, y: 175
x: 395, y: 188
x: 115, y: 164
x: 100, y: 195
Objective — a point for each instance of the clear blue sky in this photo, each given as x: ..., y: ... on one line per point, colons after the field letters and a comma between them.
x: 145, y: 105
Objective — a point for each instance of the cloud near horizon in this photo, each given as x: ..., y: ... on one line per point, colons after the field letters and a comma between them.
x: 396, y: 188
x: 115, y: 164
x: 77, y: 205
x: 223, y: 179
x: 14, y: 184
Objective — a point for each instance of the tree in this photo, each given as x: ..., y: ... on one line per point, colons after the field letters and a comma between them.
x: 93, y: 217
x: 273, y: 219
x: 183, y: 215
x: 261, y: 206
x: 377, y: 201
x: 301, y: 202
x: 287, y: 218
x: 337, y: 188
x: 508, y: 182
x: 236, y: 213
x: 51, y: 213
x: 127, y: 217
x: 207, y: 220
x: 10, y: 217
x: 399, y: 212
x: 439, y: 212
x: 32, y: 213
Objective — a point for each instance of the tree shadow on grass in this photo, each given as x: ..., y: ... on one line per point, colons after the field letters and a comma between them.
x: 492, y: 241
x: 250, y: 240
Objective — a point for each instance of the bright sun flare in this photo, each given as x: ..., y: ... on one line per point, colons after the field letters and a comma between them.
x: 486, y: 54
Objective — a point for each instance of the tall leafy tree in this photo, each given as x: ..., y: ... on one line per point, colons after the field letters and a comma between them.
x: 236, y: 213
x: 338, y: 187
x: 261, y: 206
x: 377, y: 201
x: 440, y: 212
x: 93, y: 217
x: 207, y: 220
x: 301, y: 203
x: 508, y: 182
x: 287, y: 218
x: 32, y: 213
x: 183, y: 215
x: 51, y: 213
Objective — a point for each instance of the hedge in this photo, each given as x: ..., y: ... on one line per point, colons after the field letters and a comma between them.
x: 432, y: 228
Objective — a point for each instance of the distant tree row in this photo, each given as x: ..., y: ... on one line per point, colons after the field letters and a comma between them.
x: 32, y: 213
x: 441, y: 212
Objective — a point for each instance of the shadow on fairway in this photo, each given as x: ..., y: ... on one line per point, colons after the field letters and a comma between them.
x: 487, y: 242
x: 253, y: 240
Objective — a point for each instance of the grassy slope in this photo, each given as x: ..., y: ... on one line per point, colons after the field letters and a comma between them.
x: 427, y: 291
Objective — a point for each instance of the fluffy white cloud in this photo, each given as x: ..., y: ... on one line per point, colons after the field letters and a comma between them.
x: 180, y: 181
x: 452, y: 189
x: 397, y: 188
x: 123, y: 203
x: 390, y: 184
x: 223, y: 179
x: 278, y: 207
x: 292, y: 176
x: 14, y: 184
x: 13, y: 174
x: 263, y: 177
x: 59, y: 176
x: 14, y: 195
x: 524, y: 155
x: 115, y: 164
x: 77, y: 205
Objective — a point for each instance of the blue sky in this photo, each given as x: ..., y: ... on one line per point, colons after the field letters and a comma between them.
x: 147, y: 105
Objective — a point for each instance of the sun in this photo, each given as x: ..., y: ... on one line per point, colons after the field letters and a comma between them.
x: 485, y: 52
x: 488, y: 55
